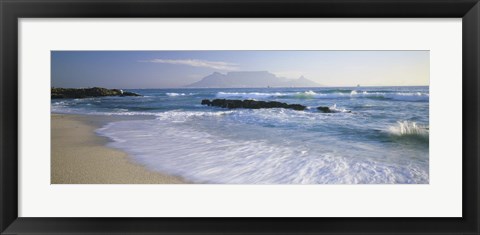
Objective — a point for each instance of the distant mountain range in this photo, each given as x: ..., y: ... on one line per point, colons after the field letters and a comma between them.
x: 250, y: 79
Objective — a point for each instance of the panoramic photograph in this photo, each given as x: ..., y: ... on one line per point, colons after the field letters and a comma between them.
x: 240, y: 117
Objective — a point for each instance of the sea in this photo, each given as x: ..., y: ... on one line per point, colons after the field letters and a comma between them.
x: 377, y: 135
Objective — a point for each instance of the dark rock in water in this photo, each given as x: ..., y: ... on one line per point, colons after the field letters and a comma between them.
x: 251, y: 104
x: 328, y: 110
x: 324, y: 109
x: 206, y: 102
x: 59, y: 93
x: 128, y: 93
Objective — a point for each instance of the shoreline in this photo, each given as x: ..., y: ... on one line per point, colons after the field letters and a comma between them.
x: 79, y: 156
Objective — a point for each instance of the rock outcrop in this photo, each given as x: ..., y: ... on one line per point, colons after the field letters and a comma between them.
x: 251, y: 104
x: 325, y: 109
x: 61, y: 93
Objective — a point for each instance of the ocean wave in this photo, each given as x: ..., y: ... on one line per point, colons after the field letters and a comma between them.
x: 173, y: 94
x: 400, y: 96
x: 335, y: 109
x: 304, y: 95
x: 182, y: 116
x: 120, y: 113
x: 203, y: 157
x: 63, y: 109
x: 407, y: 128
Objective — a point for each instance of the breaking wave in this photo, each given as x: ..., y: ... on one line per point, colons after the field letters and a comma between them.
x: 334, y: 108
x: 401, y: 96
x: 207, y: 144
x: 173, y: 94
x: 182, y: 116
x: 406, y: 128
x: 203, y: 157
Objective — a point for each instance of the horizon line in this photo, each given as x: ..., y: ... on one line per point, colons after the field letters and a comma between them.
x: 180, y: 87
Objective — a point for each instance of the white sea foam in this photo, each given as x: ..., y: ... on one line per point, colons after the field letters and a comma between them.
x: 401, y: 96
x: 83, y: 111
x: 182, y: 116
x: 334, y: 108
x: 304, y: 95
x: 175, y: 94
x: 406, y: 128
x: 202, y: 156
x: 272, y: 146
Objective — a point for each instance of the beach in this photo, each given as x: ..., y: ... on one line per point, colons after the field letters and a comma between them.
x: 369, y: 135
x: 241, y: 116
x: 79, y: 156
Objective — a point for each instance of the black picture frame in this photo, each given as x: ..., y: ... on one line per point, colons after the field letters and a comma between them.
x: 12, y: 10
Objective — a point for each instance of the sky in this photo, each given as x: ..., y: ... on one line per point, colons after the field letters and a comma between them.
x: 170, y: 69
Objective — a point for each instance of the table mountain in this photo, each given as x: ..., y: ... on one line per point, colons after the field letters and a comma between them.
x: 250, y: 79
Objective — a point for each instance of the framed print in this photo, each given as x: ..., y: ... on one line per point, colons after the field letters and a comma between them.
x: 239, y: 117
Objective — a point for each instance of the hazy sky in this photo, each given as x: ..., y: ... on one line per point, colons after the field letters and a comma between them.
x: 161, y: 69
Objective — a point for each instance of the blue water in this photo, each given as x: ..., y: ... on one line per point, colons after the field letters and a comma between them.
x: 379, y: 135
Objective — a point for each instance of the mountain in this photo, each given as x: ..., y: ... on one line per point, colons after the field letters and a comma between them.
x: 302, y: 82
x: 250, y: 79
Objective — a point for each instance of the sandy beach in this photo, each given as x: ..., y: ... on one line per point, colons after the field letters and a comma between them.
x: 81, y: 157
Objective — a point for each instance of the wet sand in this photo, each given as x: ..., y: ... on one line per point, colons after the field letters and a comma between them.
x: 81, y: 157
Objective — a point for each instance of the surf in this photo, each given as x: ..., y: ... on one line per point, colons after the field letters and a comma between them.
x: 399, y: 96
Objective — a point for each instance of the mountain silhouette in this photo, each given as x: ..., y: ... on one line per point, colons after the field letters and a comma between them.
x: 250, y: 79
